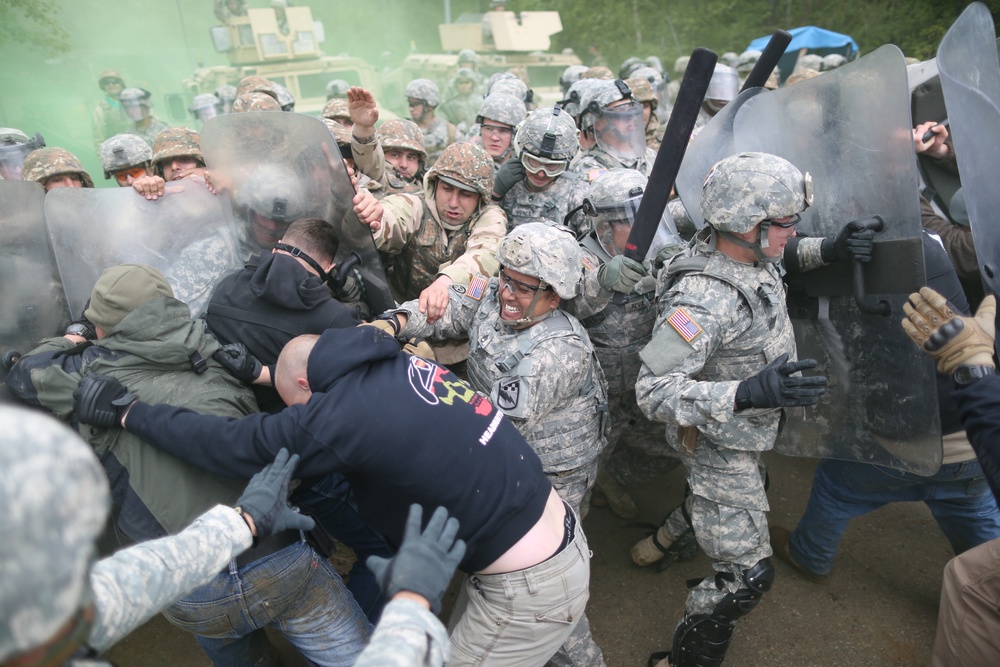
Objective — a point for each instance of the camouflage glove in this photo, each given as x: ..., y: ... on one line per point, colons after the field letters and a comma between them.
x: 951, y: 339
x: 621, y: 274
x: 425, y: 561
x: 775, y: 387
x: 419, y: 347
x: 101, y: 400
x: 266, y: 498
x: 667, y: 253
x: 507, y: 176
x: 239, y: 362
x: 854, y: 242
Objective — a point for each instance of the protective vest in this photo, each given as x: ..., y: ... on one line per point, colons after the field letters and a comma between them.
x: 569, y: 436
x: 522, y: 205
x: 431, y: 246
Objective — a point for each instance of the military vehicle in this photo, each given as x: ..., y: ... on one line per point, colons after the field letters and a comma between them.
x: 502, y: 41
x: 282, y: 45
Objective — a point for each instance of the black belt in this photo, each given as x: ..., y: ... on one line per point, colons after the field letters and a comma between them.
x: 271, y: 545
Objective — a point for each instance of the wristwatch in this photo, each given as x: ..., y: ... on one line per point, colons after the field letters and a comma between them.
x: 79, y: 329
x: 963, y: 376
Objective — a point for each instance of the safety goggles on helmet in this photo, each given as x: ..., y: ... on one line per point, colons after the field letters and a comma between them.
x: 534, y: 165
x: 134, y: 172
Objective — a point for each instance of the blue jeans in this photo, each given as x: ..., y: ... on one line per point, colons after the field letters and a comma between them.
x: 957, y: 495
x: 331, y: 503
x: 293, y: 590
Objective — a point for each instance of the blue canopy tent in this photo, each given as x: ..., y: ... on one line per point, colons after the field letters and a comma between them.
x: 814, y: 40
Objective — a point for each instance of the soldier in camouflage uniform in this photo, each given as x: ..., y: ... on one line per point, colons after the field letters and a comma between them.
x: 176, y: 155
x: 539, y: 185
x: 570, y: 76
x: 339, y: 109
x: 205, y: 107
x: 642, y: 90
x: 56, y: 502
x: 226, y: 95
x: 136, y: 104
x: 255, y: 83
x: 722, y: 89
x: 126, y: 158
x: 394, y: 157
x: 536, y: 363
x: 464, y: 99
x: 255, y: 101
x: 612, y: 118
x: 55, y: 168
x: 718, y: 371
x: 498, y: 117
x: 422, y: 98
x: 109, y: 119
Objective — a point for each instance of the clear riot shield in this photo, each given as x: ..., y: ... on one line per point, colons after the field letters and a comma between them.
x: 32, y: 304
x: 274, y: 168
x: 970, y: 79
x: 850, y: 128
x: 184, y: 234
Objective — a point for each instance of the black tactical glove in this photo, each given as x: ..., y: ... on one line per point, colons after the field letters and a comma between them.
x: 101, y: 400
x: 621, y: 274
x: 507, y: 176
x: 854, y: 242
x: 425, y: 561
x: 239, y: 362
x: 774, y: 386
x: 266, y: 498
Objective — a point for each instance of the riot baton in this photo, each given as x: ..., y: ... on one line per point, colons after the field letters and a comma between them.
x: 768, y: 60
x: 683, y: 116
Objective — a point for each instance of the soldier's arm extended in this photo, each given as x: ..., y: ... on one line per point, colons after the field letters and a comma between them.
x: 400, y: 220
x: 454, y: 323
x: 407, y: 635
x: 47, y: 375
x: 559, y: 368
x: 481, y: 248
x: 134, y: 584
x: 369, y: 158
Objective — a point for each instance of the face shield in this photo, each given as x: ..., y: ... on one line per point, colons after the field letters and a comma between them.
x: 12, y: 157
x: 621, y: 132
x: 612, y: 222
x: 135, y: 111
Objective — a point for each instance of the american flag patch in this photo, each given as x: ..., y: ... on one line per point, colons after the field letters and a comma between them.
x: 684, y: 325
x: 476, y: 288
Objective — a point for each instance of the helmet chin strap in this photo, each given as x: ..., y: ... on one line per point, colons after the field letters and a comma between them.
x: 528, y: 319
x: 758, y: 246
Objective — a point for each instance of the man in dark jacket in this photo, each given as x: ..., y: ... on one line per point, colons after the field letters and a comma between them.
x: 147, y: 338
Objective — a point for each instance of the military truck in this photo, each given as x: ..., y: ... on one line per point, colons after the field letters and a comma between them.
x: 502, y: 41
x: 284, y: 46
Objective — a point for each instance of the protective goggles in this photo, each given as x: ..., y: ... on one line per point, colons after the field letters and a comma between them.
x: 535, y: 165
x: 518, y: 288
x: 790, y: 223
x: 134, y: 172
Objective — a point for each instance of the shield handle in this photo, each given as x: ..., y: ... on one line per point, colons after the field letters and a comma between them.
x: 866, y: 304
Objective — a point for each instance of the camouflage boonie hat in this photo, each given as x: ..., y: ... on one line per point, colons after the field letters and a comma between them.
x: 502, y: 108
x: 466, y: 166
x: 44, y: 163
x: 743, y: 190
x: 337, y: 88
x: 256, y: 84
x: 255, y: 102
x: 55, y: 500
x: 549, y: 133
x: 404, y: 134
x: 336, y: 108
x: 547, y: 252
x: 600, y: 72
x: 423, y: 89
x: 176, y: 142
x: 124, y: 151
x: 109, y: 75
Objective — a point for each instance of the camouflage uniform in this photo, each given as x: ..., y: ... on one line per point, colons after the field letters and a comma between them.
x: 461, y: 108
x: 439, y: 134
x: 643, y: 92
x: 407, y: 635
x: 42, y: 164
x: 369, y: 156
x: 108, y: 119
x: 599, y: 159
x: 563, y: 195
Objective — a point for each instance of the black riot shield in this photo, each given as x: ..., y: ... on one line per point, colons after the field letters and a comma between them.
x: 184, y: 234
x: 850, y: 128
x: 970, y: 78
x: 32, y: 304
x: 274, y: 168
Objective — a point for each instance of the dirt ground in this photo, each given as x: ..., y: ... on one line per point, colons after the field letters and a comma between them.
x: 879, y: 608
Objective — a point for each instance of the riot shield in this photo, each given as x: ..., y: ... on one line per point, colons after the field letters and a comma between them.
x: 32, y: 305
x: 940, y: 177
x: 274, y: 168
x: 850, y: 128
x: 184, y: 234
x: 970, y: 79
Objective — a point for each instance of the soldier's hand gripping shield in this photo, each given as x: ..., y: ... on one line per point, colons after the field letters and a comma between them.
x: 32, y: 304
x: 272, y: 169
x: 970, y: 79
x: 850, y: 130
x: 185, y: 234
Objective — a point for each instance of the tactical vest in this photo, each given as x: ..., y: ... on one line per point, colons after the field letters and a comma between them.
x: 415, y: 268
x: 568, y: 437
x: 522, y: 205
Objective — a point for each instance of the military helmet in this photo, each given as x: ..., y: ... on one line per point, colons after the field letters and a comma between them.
x: 404, y: 134
x: 570, y: 76
x: 11, y: 136
x: 136, y: 96
x: 256, y: 84
x: 285, y: 97
x: 56, y: 500
x: 654, y: 62
x: 729, y: 59
x: 641, y: 89
x: 336, y: 108
x: 810, y: 61
x: 205, y: 106
x: 341, y: 135
x: 629, y: 66
x: 467, y: 56
x: 546, y: 252
x: 42, y: 164
x: 575, y: 94
x: 337, y: 88
x: 681, y: 64
x: 466, y: 166
x: 502, y: 108
x: 511, y: 86
x: 124, y: 151
x: 613, y: 199
x: 425, y: 90
x: 464, y: 74
x: 107, y: 76
x: 273, y: 192
x: 549, y: 133
x: 747, y: 60
x: 833, y: 61
x: 597, y: 98
x: 724, y: 85
x: 255, y: 102
x: 598, y: 72
x: 744, y: 190
x: 226, y: 93
x: 800, y: 75
x: 176, y: 142
x: 14, y: 147
x: 650, y: 74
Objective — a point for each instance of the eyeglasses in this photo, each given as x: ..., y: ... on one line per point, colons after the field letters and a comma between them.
x: 516, y: 287
x: 134, y: 172
x: 496, y: 130
x: 787, y: 223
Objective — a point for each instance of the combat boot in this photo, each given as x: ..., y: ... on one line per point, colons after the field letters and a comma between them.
x: 614, y: 495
